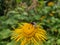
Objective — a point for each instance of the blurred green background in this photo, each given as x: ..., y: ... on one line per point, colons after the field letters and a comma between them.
x: 44, y: 12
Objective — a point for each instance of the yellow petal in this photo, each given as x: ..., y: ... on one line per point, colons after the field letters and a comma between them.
x: 24, y: 41
x: 19, y: 38
x: 35, y: 42
x: 42, y: 38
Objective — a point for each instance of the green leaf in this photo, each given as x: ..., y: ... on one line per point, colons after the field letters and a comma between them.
x: 58, y: 41
x: 5, y: 33
x: 11, y: 43
x: 18, y: 1
x: 37, y: 17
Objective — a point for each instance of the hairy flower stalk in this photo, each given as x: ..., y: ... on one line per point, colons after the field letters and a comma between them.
x: 29, y: 34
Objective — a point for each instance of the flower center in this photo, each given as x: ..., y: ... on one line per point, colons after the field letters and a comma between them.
x: 29, y: 31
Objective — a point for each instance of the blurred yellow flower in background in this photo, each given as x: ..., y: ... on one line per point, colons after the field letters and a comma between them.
x: 50, y: 3
x: 28, y: 34
x: 53, y: 11
x: 51, y: 14
x: 42, y: 18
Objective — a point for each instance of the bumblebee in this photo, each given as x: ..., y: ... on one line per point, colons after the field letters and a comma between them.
x: 34, y: 24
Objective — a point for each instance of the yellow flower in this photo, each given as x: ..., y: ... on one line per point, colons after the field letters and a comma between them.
x: 50, y: 3
x: 42, y: 18
x: 48, y: 21
x: 51, y: 14
x: 29, y: 34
